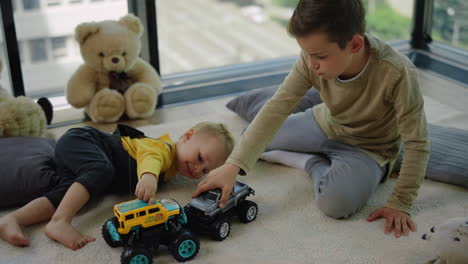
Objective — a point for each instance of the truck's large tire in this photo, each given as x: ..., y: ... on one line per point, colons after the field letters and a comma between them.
x: 247, y: 211
x: 185, y: 247
x: 110, y: 234
x: 136, y: 255
x: 220, y: 229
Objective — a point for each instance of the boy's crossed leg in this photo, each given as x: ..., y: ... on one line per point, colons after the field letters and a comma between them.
x: 344, y: 176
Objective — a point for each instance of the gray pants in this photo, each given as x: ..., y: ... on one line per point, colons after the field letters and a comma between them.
x: 344, y: 176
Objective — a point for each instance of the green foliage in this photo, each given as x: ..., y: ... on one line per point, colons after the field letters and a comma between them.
x: 387, y: 23
x: 442, y: 22
x: 283, y: 22
x: 286, y: 3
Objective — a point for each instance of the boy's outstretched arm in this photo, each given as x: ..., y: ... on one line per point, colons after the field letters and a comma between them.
x: 412, y: 127
x: 223, y: 177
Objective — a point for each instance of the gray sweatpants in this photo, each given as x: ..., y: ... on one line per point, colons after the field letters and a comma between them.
x: 344, y: 176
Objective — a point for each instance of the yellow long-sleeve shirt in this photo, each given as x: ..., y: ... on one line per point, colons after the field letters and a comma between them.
x: 152, y: 155
x: 375, y: 112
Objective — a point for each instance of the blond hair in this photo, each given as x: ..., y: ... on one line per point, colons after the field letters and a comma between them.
x: 218, y: 129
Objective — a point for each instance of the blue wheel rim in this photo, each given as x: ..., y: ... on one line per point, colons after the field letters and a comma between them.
x: 187, y: 248
x: 113, y: 231
x: 139, y: 259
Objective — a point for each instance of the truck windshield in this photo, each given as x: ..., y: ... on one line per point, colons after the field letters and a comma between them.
x: 211, y: 196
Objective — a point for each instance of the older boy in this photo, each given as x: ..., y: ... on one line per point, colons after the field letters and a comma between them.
x: 91, y: 162
x: 371, y: 103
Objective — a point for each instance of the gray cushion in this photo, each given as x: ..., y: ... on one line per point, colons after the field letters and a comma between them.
x: 249, y: 103
x: 449, y: 155
x: 449, y: 146
x: 27, y: 169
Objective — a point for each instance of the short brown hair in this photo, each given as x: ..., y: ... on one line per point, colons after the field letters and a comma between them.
x: 340, y: 19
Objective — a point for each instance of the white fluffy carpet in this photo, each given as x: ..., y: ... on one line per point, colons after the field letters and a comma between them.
x: 289, y: 228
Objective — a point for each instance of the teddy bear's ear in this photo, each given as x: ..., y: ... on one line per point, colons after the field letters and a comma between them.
x: 84, y: 30
x: 133, y: 23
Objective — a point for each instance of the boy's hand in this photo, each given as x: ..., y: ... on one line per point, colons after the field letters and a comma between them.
x: 146, y: 188
x: 223, y: 177
x: 395, y: 219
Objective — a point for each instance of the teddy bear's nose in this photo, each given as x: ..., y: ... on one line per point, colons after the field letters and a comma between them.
x: 424, y: 237
x: 115, y: 60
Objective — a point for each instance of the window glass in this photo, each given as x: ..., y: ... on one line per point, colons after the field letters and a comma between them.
x: 53, y: 2
x: 450, y: 22
x: 38, y: 50
x: 49, y: 52
x: 200, y: 34
x: 389, y: 19
x: 59, y: 47
x: 5, y: 81
x: 153, y: 210
x: 20, y: 50
x: 31, y: 4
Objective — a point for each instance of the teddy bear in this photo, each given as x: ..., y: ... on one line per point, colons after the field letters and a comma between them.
x: 450, y: 241
x: 22, y: 117
x: 113, y: 82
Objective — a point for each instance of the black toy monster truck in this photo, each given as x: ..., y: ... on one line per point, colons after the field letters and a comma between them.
x: 204, y: 215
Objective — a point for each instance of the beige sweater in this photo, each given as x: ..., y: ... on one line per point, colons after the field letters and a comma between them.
x: 375, y: 112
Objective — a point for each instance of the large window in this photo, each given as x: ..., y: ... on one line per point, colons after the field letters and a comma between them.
x: 199, y: 34
x: 48, y: 50
x: 450, y: 22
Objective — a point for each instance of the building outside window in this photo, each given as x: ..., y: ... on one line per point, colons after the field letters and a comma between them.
x: 31, y: 4
x: 4, y: 74
x: 51, y: 3
x: 59, y: 47
x: 20, y: 50
x: 38, y: 50
x: 50, y: 54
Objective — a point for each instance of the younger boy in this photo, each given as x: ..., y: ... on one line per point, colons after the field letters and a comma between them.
x: 91, y: 162
x: 371, y: 103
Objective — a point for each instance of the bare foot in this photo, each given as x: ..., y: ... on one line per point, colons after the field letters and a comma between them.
x: 11, y: 232
x: 66, y: 234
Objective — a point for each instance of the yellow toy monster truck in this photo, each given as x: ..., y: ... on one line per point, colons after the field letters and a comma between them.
x: 137, y: 213
x: 141, y: 228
